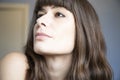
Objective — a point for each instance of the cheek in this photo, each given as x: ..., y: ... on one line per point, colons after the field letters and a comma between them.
x: 65, y: 36
x: 66, y: 29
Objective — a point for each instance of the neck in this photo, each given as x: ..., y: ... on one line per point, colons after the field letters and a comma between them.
x: 58, y: 66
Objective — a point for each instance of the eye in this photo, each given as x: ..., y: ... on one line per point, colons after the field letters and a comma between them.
x: 40, y: 14
x: 58, y: 14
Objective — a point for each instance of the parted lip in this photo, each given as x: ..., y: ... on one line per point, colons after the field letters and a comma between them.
x: 42, y: 34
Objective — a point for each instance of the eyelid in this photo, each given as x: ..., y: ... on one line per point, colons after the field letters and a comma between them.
x: 40, y: 13
x: 60, y: 13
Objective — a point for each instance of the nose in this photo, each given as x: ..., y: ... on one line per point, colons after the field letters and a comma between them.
x: 41, y: 23
x: 44, y: 21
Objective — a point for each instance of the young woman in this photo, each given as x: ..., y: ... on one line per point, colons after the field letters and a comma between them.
x: 64, y: 43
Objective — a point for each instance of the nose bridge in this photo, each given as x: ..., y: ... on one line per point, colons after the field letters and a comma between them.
x: 45, y: 20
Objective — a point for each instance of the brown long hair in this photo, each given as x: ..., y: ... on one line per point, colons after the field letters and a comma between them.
x: 89, y: 61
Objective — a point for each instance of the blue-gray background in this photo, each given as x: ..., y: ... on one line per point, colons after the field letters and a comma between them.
x: 109, y: 15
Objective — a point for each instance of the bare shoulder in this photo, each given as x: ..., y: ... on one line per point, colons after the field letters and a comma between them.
x: 13, y: 66
x: 14, y: 59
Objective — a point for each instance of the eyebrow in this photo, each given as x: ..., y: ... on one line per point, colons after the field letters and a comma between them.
x: 55, y: 7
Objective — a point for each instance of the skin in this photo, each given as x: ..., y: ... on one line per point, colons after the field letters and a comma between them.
x: 58, y: 23
x: 13, y: 66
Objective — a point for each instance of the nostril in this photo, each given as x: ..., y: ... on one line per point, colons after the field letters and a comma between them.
x: 43, y: 24
x: 40, y: 23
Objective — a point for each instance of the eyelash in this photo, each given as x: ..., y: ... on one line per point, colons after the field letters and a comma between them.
x: 57, y: 14
x: 39, y: 15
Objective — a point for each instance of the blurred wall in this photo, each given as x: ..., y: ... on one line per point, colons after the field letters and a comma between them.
x: 109, y: 14
x: 30, y: 2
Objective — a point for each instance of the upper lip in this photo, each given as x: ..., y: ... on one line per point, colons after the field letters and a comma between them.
x: 42, y: 34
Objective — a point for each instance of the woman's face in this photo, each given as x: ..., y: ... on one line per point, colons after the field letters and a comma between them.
x: 54, y: 31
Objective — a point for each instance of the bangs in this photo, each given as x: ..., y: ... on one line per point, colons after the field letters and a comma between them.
x: 59, y: 3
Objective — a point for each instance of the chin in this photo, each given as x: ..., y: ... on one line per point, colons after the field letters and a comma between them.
x: 46, y: 50
x: 51, y: 52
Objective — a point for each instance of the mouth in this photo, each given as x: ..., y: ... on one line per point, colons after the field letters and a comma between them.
x: 40, y: 36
